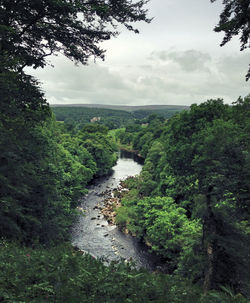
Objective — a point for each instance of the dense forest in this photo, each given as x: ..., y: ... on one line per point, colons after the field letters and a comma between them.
x: 191, y: 201
x: 190, y: 204
x: 76, y: 117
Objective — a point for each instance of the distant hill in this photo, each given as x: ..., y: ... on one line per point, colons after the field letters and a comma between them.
x: 76, y: 116
x: 129, y: 108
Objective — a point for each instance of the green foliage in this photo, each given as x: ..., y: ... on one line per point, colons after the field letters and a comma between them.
x: 200, y: 159
x: 101, y: 146
x: 32, y: 184
x: 33, y: 30
x: 27, y: 180
x: 161, y: 223
x: 196, y: 172
x: 140, y: 138
x: 123, y: 216
x: 61, y: 274
x: 44, y: 170
x: 76, y: 117
x: 165, y: 113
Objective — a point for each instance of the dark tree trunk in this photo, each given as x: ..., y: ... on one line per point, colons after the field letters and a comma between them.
x: 210, y: 243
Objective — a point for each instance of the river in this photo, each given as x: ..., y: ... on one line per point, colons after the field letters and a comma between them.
x: 92, y: 233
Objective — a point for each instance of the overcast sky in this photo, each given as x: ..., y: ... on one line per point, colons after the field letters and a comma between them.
x: 174, y: 60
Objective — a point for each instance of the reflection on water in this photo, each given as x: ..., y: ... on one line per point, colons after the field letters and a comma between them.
x: 123, y: 154
x: 127, y: 165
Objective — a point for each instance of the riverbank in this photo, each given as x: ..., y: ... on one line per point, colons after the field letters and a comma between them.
x: 123, y: 147
x: 112, y: 202
x: 97, y: 234
x: 129, y: 149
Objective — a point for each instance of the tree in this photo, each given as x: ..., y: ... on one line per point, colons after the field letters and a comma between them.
x: 209, y: 146
x: 234, y: 21
x: 95, y: 140
x: 38, y: 163
x: 33, y: 30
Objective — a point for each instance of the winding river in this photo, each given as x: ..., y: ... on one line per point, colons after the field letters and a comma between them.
x: 92, y: 232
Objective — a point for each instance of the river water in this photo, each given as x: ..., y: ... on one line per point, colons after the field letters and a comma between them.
x: 93, y: 234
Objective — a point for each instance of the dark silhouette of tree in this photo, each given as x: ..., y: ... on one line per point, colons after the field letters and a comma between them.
x: 32, y: 30
x: 234, y: 21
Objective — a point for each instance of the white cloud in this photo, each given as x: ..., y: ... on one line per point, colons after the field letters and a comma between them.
x: 189, y: 60
x: 167, y: 77
x: 174, y: 60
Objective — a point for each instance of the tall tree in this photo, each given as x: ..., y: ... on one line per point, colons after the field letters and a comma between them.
x: 34, y: 168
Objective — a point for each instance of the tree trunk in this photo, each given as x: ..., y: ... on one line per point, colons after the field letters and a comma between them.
x: 208, y: 281
x: 210, y: 243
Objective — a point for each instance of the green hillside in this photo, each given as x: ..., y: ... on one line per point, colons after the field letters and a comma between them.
x: 77, y: 116
x: 129, y: 108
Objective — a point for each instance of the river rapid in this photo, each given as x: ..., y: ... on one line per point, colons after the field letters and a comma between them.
x: 93, y: 234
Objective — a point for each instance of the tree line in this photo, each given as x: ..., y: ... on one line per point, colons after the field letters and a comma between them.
x: 44, y: 171
x: 76, y: 117
x: 191, y: 200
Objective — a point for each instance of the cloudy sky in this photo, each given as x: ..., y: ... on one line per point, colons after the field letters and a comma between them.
x: 174, y: 60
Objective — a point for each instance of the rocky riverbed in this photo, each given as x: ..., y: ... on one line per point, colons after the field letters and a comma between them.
x: 95, y: 233
x: 112, y: 201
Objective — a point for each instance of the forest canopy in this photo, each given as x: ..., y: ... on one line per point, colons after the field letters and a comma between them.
x: 39, y: 159
x: 191, y: 200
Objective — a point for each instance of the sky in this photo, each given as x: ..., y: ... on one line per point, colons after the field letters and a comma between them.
x: 174, y: 60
